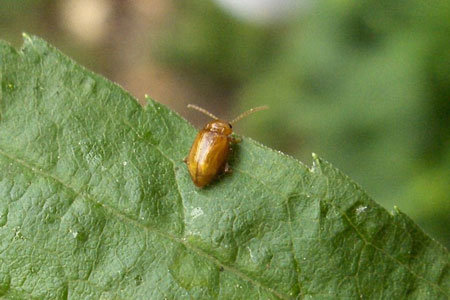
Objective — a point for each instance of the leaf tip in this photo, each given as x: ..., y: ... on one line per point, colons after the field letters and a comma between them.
x: 31, y: 39
x: 316, y: 163
x: 396, y: 210
x: 26, y: 37
x: 148, y: 100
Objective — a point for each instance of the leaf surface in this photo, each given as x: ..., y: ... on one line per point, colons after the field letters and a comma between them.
x: 96, y: 203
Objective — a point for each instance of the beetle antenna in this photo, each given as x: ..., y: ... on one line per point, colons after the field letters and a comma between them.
x: 202, y: 110
x: 248, y: 112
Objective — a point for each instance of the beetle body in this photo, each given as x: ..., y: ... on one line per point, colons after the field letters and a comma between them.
x: 209, y: 152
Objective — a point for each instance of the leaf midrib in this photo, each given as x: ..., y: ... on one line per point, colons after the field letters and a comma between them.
x: 115, y: 212
x: 123, y: 217
x: 120, y: 215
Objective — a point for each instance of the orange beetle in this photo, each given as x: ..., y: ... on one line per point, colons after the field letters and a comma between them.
x: 209, y: 152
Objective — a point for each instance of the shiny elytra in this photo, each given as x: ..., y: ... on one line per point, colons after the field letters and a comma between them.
x: 209, y: 153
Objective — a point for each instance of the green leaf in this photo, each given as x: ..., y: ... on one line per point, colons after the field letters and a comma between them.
x: 96, y: 203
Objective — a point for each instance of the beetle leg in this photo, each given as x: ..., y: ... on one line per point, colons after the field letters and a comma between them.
x: 235, y: 139
x: 227, y: 168
x: 185, y: 160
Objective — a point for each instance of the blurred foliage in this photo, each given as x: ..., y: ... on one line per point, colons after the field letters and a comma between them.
x: 206, y: 42
x: 17, y: 16
x: 365, y: 85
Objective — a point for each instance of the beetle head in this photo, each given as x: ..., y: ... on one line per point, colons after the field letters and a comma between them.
x: 219, y: 126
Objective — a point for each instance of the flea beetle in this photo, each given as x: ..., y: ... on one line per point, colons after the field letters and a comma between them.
x: 209, y: 152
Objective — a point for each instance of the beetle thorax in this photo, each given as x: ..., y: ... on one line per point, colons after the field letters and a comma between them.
x: 219, y: 126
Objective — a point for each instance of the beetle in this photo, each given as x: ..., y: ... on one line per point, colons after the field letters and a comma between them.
x: 208, y: 156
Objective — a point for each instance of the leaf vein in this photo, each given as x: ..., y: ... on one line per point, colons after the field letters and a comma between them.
x: 365, y: 240
x: 118, y: 214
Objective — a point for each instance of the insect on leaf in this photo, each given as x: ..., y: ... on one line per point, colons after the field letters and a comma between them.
x: 96, y: 203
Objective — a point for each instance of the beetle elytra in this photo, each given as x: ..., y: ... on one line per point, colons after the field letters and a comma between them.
x: 209, y: 153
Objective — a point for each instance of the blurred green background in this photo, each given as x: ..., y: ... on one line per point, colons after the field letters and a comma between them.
x: 364, y: 84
